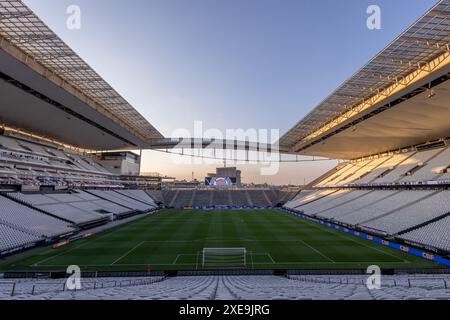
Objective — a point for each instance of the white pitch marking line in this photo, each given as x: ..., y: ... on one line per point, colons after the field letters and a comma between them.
x: 263, y: 254
x: 127, y: 253
x: 176, y: 259
x: 314, y: 249
x: 270, y: 256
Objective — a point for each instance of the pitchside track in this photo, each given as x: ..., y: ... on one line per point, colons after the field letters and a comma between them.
x: 175, y: 239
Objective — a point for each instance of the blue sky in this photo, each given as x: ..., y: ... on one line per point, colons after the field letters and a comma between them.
x: 231, y: 64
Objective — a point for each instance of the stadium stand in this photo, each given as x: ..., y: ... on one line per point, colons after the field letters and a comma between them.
x: 382, y: 169
x: 435, y: 234
x: 258, y: 198
x: 122, y: 200
x: 267, y: 287
x: 183, y: 199
x: 388, y: 212
x: 431, y: 169
x: 12, y: 238
x: 428, y: 208
x: 409, y: 165
x: 24, y: 218
x: 62, y: 205
x: 401, y: 168
x: 31, y: 218
x: 310, y: 208
x: 156, y: 195
x: 340, y: 212
x: 394, y: 184
x: 168, y: 197
x: 202, y: 198
x: 239, y: 198
x: 102, y: 205
x: 223, y: 198
x: 304, y: 198
x: 286, y: 196
x: 34, y: 162
x: 394, y: 201
x: 139, y: 195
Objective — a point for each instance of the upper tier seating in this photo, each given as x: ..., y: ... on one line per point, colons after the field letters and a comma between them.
x: 409, y: 164
x: 360, y: 169
x: 391, y: 163
x: 30, y: 158
x: 340, y: 171
x: 432, y: 168
x: 406, y: 167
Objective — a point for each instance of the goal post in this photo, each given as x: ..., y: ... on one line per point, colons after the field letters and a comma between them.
x: 224, y: 258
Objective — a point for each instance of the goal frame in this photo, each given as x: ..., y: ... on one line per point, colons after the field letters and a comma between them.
x: 243, y: 253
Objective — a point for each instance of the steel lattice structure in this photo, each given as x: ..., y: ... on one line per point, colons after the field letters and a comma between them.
x: 20, y: 27
x: 420, y: 48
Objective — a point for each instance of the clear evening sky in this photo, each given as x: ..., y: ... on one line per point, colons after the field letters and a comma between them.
x: 259, y: 64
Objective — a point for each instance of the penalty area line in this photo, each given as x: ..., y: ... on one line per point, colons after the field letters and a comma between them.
x: 127, y: 253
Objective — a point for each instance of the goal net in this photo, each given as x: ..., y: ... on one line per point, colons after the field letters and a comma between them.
x: 224, y: 258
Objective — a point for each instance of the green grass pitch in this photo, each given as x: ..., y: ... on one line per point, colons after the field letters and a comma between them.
x: 174, y: 239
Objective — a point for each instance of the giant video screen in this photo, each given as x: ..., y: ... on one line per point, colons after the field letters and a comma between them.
x: 220, y: 181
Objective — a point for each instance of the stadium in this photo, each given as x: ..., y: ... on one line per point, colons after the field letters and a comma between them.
x: 73, y: 193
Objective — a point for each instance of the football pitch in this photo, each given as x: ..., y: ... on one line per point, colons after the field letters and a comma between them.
x: 175, y: 239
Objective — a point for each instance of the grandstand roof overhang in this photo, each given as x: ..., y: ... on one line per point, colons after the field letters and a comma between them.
x: 47, y: 89
x: 400, y: 98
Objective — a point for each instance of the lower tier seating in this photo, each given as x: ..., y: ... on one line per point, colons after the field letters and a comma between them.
x: 68, y: 206
x: 435, y: 234
x: 11, y: 238
x: 122, y: 200
x: 415, y: 215
x: 31, y: 221
x: 397, y: 287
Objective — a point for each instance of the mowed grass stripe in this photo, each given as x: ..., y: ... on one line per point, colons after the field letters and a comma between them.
x: 178, y: 236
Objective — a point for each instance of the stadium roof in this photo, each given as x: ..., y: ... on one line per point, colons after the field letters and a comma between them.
x: 25, y: 37
x: 420, y: 51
